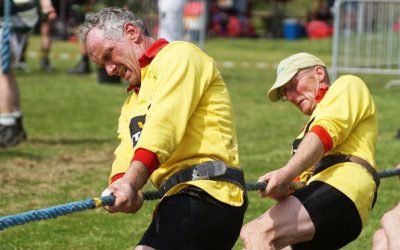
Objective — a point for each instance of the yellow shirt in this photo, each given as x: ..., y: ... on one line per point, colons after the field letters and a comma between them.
x: 347, y: 112
x: 184, y: 115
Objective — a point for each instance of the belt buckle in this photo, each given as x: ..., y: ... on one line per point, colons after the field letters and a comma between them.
x: 209, y: 170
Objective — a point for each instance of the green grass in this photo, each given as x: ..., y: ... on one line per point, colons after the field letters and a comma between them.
x: 71, y: 122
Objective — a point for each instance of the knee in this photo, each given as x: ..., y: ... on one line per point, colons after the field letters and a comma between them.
x: 385, y: 218
x: 258, y: 234
x: 379, y: 235
x: 391, y: 216
x: 379, y: 240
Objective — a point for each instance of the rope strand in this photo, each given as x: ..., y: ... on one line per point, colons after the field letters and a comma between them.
x: 389, y: 173
x: 5, y: 38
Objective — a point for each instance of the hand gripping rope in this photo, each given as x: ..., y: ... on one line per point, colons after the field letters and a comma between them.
x: 54, y: 212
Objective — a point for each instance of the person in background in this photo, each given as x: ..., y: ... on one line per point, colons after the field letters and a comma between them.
x: 48, y: 15
x: 320, y: 23
x: 83, y: 66
x: 176, y: 129
x: 334, y: 156
x: 17, y: 18
x: 171, y: 19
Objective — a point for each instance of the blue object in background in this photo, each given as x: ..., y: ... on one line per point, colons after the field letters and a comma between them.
x: 292, y: 29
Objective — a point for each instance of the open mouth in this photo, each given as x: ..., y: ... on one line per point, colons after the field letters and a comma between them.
x: 123, y: 71
x: 125, y: 75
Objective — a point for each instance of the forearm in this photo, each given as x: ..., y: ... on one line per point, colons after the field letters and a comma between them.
x: 136, y: 175
x: 309, y: 152
x: 126, y: 190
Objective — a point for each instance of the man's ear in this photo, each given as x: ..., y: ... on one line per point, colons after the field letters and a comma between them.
x: 321, y: 73
x: 132, y: 31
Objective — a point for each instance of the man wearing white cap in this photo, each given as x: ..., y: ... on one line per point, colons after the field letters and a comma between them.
x: 333, y: 156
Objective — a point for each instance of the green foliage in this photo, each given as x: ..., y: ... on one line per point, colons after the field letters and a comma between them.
x: 71, y: 123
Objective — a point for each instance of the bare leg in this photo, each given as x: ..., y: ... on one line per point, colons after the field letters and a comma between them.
x: 285, y: 224
x: 11, y: 128
x: 45, y: 44
x: 391, y: 225
x: 9, y: 94
x: 45, y: 33
x: 380, y: 241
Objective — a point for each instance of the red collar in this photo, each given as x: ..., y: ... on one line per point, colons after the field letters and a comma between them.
x: 321, y: 93
x: 147, y: 57
x: 151, y: 52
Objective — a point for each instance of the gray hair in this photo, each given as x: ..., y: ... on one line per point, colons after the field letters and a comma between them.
x: 111, y: 21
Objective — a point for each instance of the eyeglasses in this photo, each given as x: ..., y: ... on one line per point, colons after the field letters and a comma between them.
x: 291, y: 86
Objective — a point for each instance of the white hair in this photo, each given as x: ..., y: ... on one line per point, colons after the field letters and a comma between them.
x: 111, y: 21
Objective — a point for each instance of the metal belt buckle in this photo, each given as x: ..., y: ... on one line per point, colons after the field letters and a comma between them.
x: 209, y: 170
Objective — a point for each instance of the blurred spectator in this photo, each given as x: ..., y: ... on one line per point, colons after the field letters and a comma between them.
x: 322, y: 11
x: 48, y: 15
x: 83, y: 66
x: 170, y: 19
x: 231, y: 18
x: 194, y: 20
x: 320, y: 21
x: 17, y: 20
x: 24, y: 18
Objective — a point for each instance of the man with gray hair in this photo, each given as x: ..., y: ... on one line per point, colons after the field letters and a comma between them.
x: 177, y: 129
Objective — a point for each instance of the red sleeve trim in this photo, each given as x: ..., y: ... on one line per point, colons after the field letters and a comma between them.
x: 148, y: 158
x: 324, y: 136
x: 116, y: 177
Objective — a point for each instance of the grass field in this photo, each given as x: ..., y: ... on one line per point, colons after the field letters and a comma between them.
x: 71, y: 122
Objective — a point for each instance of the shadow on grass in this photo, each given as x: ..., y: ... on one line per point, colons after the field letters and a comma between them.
x: 61, y: 141
x: 11, y: 154
x: 32, y: 149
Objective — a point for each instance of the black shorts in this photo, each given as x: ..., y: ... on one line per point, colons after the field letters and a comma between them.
x: 335, y: 217
x: 192, y: 219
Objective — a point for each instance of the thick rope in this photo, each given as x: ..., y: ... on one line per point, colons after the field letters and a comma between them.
x: 389, y: 173
x: 5, y: 38
x: 54, y: 212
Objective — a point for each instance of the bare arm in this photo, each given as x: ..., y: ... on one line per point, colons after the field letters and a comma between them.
x: 309, y: 152
x: 129, y: 199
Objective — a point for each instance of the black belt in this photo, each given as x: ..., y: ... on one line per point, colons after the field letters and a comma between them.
x: 209, y: 170
x: 331, y: 160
